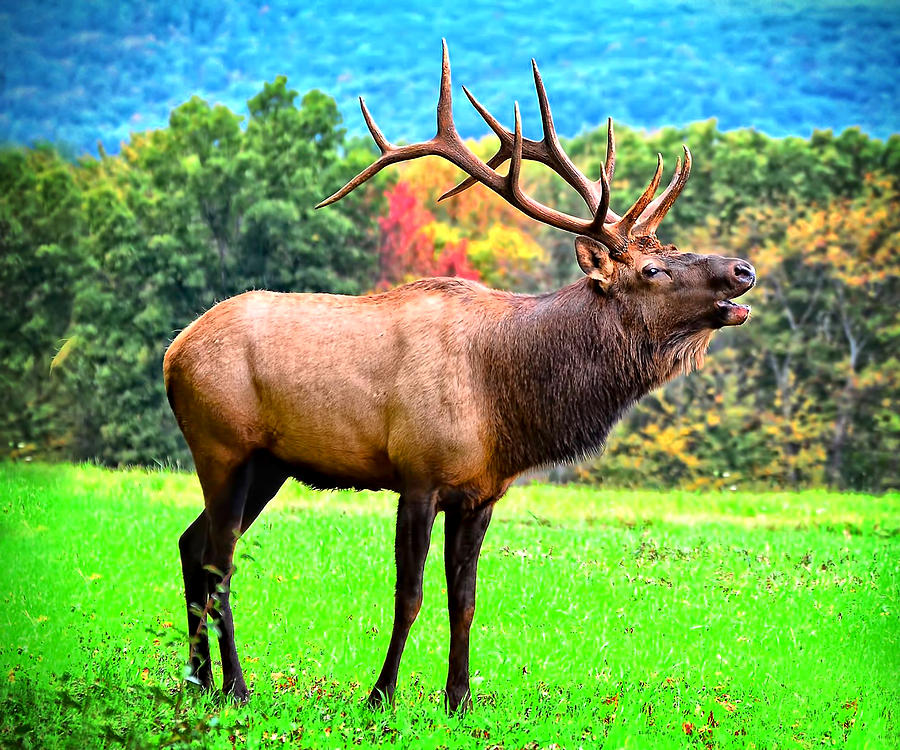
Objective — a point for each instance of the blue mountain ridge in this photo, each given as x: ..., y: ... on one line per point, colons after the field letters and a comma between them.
x: 75, y: 72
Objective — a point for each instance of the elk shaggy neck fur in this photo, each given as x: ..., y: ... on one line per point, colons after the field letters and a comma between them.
x: 560, y: 369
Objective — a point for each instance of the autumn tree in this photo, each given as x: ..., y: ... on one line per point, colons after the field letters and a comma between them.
x: 414, y: 245
x: 496, y: 240
x: 807, y: 393
x: 852, y: 246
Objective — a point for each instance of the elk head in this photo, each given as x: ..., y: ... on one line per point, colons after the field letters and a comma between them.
x: 676, y: 297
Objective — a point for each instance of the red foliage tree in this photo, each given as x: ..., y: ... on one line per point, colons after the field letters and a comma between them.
x: 407, y: 249
x: 453, y: 260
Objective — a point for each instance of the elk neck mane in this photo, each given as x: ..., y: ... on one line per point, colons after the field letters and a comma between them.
x: 560, y: 369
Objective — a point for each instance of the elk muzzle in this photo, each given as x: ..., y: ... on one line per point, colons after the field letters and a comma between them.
x: 741, y: 277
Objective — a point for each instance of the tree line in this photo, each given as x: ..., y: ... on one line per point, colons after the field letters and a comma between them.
x: 103, y: 260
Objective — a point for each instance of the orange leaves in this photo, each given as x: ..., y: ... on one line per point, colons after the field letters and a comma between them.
x: 479, y: 238
x: 475, y: 234
x: 725, y: 702
x: 704, y: 730
x: 284, y: 682
x: 858, y: 240
x: 506, y: 257
x: 474, y: 210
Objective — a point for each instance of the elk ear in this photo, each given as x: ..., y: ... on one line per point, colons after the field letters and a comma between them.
x: 594, y: 260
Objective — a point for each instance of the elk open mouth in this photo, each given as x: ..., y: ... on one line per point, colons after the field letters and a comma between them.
x: 731, y: 313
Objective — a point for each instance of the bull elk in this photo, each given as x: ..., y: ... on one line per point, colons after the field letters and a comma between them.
x: 441, y: 390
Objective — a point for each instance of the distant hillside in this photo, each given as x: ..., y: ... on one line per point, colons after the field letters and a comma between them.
x: 75, y: 72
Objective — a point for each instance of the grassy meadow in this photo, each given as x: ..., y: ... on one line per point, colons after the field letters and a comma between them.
x: 605, y: 618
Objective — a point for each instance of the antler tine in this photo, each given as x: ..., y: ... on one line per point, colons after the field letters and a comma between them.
x: 377, y: 135
x: 388, y: 156
x: 637, y: 208
x: 561, y: 162
x: 503, y: 153
x: 610, y: 165
x: 445, y: 99
x: 654, y: 213
x: 544, y: 105
x: 515, y: 164
x: 502, y: 133
x: 610, y: 234
x: 599, y: 224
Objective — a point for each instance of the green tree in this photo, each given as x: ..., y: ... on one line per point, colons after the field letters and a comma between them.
x: 42, y: 223
x: 293, y: 157
x: 114, y: 256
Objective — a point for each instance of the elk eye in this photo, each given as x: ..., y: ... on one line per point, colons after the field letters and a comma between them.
x: 651, y: 271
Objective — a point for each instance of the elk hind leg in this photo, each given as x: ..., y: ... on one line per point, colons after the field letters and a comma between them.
x: 192, y: 545
x: 415, y: 519
x: 251, y: 486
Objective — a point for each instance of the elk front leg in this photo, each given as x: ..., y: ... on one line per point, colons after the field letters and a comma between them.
x: 415, y: 519
x: 465, y: 531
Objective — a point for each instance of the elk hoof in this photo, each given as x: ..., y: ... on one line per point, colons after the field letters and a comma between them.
x: 237, y: 691
x: 378, y: 698
x: 458, y: 702
x: 202, y: 681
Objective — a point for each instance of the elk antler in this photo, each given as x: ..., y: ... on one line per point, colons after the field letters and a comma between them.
x: 641, y: 219
x: 651, y: 216
x: 548, y: 151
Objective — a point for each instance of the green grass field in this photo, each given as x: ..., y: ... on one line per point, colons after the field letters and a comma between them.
x: 605, y: 618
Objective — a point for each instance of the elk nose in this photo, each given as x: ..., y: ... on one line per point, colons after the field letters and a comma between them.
x: 744, y: 273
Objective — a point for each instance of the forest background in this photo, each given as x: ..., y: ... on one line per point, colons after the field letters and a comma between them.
x: 103, y: 258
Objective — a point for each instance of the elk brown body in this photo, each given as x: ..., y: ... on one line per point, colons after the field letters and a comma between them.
x: 441, y: 390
